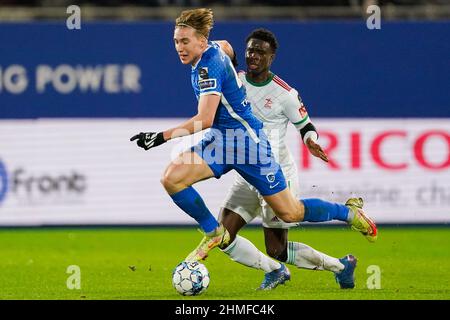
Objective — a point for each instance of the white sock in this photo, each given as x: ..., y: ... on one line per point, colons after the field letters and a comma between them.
x: 303, y: 256
x: 243, y: 251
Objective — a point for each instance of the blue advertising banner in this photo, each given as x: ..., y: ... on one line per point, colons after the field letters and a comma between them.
x: 111, y: 70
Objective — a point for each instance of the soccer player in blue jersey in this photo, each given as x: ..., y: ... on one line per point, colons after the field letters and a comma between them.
x: 235, y: 141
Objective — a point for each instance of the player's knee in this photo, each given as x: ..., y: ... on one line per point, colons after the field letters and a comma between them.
x: 170, y: 180
x: 288, y: 216
x: 290, y: 219
x: 291, y: 214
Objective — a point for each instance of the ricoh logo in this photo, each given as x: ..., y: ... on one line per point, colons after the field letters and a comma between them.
x: 390, y: 150
x: 24, y: 186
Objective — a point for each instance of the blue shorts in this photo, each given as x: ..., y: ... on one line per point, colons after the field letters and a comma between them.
x: 254, y: 161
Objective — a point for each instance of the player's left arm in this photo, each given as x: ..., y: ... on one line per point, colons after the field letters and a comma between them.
x: 296, y: 112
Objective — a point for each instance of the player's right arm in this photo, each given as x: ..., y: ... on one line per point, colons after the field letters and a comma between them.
x: 210, y: 92
x: 207, y: 107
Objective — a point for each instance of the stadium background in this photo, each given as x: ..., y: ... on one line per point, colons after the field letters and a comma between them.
x: 70, y: 100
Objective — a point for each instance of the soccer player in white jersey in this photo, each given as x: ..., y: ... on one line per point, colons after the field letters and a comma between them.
x: 224, y: 109
x: 276, y: 104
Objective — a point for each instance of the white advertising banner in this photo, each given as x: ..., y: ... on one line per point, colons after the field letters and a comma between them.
x: 81, y: 171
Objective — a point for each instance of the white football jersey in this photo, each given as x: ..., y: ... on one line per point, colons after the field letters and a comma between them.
x: 276, y: 104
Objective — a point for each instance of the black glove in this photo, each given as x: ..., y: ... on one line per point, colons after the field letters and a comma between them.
x: 148, y: 140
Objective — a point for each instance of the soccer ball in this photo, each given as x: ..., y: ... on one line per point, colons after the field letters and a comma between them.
x: 190, y: 278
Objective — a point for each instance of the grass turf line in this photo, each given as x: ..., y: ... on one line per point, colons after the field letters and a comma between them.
x: 138, y: 263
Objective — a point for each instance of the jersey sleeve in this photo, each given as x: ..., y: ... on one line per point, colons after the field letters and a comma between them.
x: 295, y: 111
x: 210, y: 76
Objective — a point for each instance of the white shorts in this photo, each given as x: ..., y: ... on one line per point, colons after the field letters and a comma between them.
x: 246, y: 201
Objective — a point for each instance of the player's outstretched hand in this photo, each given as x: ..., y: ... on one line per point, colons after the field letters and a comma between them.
x: 148, y: 140
x: 316, y: 150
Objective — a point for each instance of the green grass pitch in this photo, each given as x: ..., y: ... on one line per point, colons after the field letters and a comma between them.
x: 136, y: 263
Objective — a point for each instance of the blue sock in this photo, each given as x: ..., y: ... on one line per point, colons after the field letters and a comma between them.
x: 190, y: 202
x: 317, y: 210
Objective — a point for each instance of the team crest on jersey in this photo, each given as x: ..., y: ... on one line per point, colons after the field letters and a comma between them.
x: 268, y: 103
x: 207, y: 84
x: 203, y: 73
x: 270, y: 177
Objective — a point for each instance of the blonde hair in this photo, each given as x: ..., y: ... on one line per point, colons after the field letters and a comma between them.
x: 201, y: 20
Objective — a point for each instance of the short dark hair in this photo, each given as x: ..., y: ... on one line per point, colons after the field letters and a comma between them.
x: 264, y: 35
